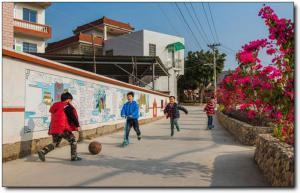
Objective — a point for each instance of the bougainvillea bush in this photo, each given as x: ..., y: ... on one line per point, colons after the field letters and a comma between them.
x: 265, y: 91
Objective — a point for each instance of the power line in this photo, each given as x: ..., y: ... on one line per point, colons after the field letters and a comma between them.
x: 169, y: 21
x: 208, y: 22
x: 195, y: 23
x: 199, y: 22
x: 213, y: 22
x: 188, y: 25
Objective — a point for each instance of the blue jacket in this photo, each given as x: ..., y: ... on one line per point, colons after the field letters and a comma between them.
x: 130, y: 110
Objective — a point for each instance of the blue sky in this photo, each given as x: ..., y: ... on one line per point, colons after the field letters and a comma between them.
x: 235, y: 23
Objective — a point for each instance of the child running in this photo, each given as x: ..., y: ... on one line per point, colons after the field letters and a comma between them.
x: 130, y: 111
x: 172, y: 111
x: 210, y: 111
x: 64, y: 120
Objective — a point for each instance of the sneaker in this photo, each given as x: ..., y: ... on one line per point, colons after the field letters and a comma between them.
x: 77, y: 158
x: 139, y: 137
x: 178, y: 130
x: 125, y: 143
x: 172, y: 134
x: 41, y: 156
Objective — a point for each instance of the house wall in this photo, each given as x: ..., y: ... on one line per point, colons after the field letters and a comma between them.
x: 20, y: 38
x: 7, y: 25
x: 18, y: 11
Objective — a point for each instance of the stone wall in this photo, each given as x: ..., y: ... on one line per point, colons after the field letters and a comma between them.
x: 276, y: 160
x: 245, y: 133
x: 24, y: 148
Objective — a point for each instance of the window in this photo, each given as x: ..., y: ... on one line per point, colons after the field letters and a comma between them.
x: 152, y: 50
x: 109, y: 53
x: 29, y: 15
x: 29, y: 47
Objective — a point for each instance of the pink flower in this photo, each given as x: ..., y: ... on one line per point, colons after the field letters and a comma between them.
x: 271, y: 51
x: 244, y: 106
x: 251, y: 114
x: 277, y: 115
x: 246, y: 57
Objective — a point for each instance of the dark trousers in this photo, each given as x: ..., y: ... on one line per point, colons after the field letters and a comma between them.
x: 56, y: 139
x: 174, y: 122
x: 210, y: 121
x: 132, y: 123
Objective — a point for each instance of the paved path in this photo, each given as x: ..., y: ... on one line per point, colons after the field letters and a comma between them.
x: 194, y: 157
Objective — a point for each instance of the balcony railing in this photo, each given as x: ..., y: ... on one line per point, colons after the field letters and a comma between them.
x: 33, y: 29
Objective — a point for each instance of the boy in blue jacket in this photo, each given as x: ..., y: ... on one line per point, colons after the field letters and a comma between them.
x: 130, y: 111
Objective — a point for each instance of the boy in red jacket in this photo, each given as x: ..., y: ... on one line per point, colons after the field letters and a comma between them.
x: 64, y: 120
x: 210, y: 111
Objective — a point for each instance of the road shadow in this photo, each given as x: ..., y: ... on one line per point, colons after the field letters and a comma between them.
x: 236, y: 170
x: 163, y: 166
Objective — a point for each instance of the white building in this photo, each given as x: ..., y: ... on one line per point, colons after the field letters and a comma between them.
x: 169, y: 48
x: 30, y: 31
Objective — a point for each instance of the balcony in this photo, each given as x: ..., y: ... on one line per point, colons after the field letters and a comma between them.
x: 32, y: 29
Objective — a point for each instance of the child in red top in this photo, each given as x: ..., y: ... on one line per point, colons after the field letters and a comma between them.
x: 210, y: 111
x: 64, y: 120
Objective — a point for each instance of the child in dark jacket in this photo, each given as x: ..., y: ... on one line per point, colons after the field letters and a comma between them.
x: 172, y: 111
x: 130, y: 111
x: 210, y: 111
x: 64, y: 120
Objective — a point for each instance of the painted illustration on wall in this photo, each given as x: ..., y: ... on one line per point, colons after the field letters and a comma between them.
x: 154, y: 108
x: 96, y: 103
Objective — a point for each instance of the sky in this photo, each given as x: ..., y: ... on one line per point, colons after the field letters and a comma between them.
x: 231, y: 24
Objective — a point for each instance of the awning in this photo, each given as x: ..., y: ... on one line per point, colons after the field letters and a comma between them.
x: 175, y: 46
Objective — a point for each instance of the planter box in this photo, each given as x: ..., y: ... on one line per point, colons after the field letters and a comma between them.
x: 245, y: 133
x: 276, y: 160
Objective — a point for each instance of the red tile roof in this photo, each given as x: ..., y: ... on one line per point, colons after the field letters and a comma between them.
x: 76, y: 38
x: 104, y: 20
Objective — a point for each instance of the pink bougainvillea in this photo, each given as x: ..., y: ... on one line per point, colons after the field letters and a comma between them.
x: 265, y: 91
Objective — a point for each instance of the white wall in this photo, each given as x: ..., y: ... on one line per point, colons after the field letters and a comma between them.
x: 20, y: 90
x: 161, y: 41
x: 18, y: 11
x: 19, y: 39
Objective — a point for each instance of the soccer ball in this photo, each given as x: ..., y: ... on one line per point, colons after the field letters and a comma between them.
x: 95, y: 147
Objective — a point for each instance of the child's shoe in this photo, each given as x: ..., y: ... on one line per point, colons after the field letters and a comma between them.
x: 76, y: 158
x: 139, y: 137
x: 41, y: 156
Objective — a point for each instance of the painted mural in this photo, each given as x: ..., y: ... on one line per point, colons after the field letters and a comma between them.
x: 96, y: 103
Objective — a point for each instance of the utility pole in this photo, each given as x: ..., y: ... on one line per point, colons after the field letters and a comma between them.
x: 94, y: 54
x: 213, y: 47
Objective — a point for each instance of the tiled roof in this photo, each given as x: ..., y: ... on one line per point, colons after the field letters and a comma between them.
x: 76, y: 38
x: 104, y: 20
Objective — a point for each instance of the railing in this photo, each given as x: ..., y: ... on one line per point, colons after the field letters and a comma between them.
x: 43, y: 29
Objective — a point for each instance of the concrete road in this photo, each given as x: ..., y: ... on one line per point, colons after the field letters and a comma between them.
x: 194, y: 157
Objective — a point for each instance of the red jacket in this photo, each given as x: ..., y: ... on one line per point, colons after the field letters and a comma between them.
x: 59, y: 120
x: 210, y: 108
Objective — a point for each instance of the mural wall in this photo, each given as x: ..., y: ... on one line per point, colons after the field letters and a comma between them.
x: 95, y: 102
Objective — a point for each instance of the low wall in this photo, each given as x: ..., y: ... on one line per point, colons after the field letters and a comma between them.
x: 245, y: 133
x: 24, y: 148
x: 32, y: 84
x: 276, y: 160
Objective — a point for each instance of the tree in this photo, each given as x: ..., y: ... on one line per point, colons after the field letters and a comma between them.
x: 197, y: 74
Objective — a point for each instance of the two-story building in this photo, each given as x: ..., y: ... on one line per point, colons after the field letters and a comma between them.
x: 24, y: 26
x: 90, y: 37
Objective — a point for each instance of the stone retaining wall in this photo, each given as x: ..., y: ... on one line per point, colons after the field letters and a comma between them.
x: 276, y: 160
x: 24, y: 148
x: 245, y: 133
